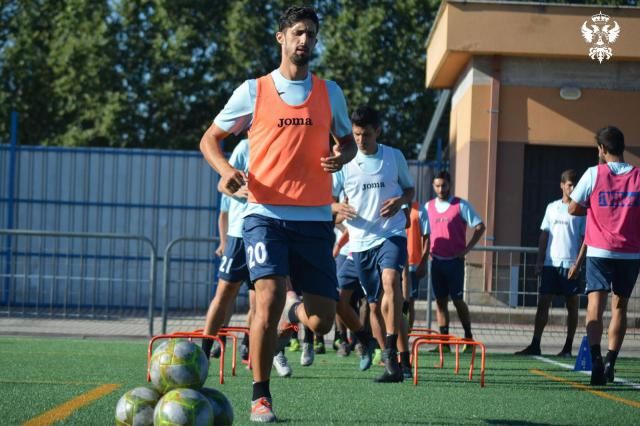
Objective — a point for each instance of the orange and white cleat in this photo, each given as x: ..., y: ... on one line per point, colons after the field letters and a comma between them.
x: 261, y: 411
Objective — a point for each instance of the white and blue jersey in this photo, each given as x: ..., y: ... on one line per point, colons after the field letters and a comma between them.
x: 237, y: 117
x: 368, y: 181
x: 565, y: 234
x: 581, y: 194
x: 239, y: 160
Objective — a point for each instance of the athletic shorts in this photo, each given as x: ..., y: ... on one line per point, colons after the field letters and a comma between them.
x: 554, y: 281
x: 302, y: 250
x: 233, y: 266
x: 348, y: 277
x: 447, y: 278
x: 617, y: 275
x: 391, y: 254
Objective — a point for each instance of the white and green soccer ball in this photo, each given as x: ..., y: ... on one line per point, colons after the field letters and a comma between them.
x: 178, y: 364
x: 183, y: 407
x: 222, y: 409
x: 135, y: 407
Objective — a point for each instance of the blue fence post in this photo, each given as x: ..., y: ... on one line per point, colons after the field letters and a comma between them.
x: 439, y: 153
x: 10, y: 200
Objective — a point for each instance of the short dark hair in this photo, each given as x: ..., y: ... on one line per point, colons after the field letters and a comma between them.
x: 295, y: 14
x: 569, y: 175
x: 612, y: 139
x: 365, y: 116
x: 442, y: 174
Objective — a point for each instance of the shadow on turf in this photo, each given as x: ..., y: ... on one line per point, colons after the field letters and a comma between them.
x: 514, y: 422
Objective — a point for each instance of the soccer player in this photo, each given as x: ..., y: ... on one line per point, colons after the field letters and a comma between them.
x: 233, y: 266
x: 560, y: 249
x: 417, y: 262
x: 445, y: 230
x: 288, y: 230
x: 377, y: 184
x: 609, y: 194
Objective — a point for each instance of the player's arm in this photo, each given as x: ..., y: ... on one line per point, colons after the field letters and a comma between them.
x: 582, y: 192
x: 576, y: 209
x: 345, y: 146
x: 478, y: 230
x: 393, y: 205
x: 343, y: 151
x: 542, y: 251
x: 230, y: 179
x: 223, y: 226
x: 344, y: 239
x: 575, y: 268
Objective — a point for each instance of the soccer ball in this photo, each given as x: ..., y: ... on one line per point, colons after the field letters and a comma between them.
x: 222, y: 409
x: 135, y: 408
x: 178, y: 364
x: 182, y: 407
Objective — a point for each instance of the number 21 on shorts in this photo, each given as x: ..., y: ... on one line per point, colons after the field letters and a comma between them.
x: 257, y: 254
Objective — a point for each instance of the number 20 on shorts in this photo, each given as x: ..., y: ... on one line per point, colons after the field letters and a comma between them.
x: 257, y: 254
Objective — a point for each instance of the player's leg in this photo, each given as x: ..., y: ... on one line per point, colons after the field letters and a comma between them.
x: 572, y: 324
x: 542, y: 316
x: 232, y: 271
x: 439, y: 282
x: 623, y: 284
x: 244, y: 346
x: 267, y: 255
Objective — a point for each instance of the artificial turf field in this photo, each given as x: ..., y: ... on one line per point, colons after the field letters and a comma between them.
x: 39, y: 375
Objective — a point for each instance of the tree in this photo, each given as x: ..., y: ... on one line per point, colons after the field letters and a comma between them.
x: 375, y: 51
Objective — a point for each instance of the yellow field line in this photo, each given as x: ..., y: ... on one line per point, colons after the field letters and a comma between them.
x: 586, y: 388
x: 64, y: 410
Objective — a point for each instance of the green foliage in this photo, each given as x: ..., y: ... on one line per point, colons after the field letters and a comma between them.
x: 154, y: 73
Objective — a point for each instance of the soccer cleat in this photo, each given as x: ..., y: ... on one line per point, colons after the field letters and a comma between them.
x: 366, y: 359
x: 294, y: 345
x: 281, y: 365
x: 392, y: 371
x: 343, y: 349
x: 564, y: 354
x: 597, y: 373
x: 336, y: 344
x: 216, y: 349
x: 244, y: 352
x: 609, y: 372
x: 377, y: 356
x: 308, y: 355
x: 407, y: 373
x: 262, y: 411
x: 529, y: 350
x: 319, y: 348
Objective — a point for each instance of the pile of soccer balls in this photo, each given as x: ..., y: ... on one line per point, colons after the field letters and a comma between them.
x: 178, y: 371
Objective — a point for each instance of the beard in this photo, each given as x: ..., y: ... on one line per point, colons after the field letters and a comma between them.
x: 300, y: 60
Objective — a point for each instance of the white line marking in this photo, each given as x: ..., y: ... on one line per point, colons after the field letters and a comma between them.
x: 570, y: 367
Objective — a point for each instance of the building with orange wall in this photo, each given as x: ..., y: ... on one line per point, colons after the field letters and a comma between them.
x: 526, y: 102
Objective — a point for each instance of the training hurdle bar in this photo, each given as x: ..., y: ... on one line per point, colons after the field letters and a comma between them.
x: 432, y: 339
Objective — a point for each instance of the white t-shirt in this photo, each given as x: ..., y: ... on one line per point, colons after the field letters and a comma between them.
x: 565, y: 234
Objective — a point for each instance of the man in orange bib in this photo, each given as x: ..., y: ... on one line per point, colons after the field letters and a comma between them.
x: 288, y: 229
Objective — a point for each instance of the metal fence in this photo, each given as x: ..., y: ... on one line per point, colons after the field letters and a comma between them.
x: 501, y: 289
x: 190, y: 279
x: 77, y: 275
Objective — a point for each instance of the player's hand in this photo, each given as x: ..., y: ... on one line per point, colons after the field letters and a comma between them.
x: 220, y: 249
x: 242, y: 193
x: 232, y: 180
x: 334, y: 162
x: 391, y: 207
x: 345, y: 210
x: 421, y: 270
x: 573, y: 272
x: 538, y: 269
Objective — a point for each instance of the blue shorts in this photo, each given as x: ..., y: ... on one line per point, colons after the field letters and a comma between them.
x: 553, y: 280
x: 302, y: 250
x: 233, y: 264
x: 391, y: 254
x: 447, y: 278
x: 348, y: 276
x: 619, y: 275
